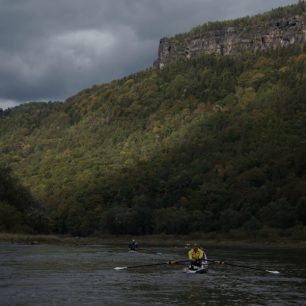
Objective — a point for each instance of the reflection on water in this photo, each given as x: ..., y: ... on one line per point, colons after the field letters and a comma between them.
x: 84, y: 275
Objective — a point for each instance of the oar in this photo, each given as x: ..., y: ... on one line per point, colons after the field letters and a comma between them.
x: 242, y: 266
x: 170, y: 262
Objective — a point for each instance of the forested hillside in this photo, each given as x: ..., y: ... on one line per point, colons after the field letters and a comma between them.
x: 205, y: 145
x: 19, y: 211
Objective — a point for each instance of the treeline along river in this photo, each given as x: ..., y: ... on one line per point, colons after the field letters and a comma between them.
x: 84, y: 275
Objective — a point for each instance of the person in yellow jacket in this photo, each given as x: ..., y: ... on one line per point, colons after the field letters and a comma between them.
x: 196, y: 256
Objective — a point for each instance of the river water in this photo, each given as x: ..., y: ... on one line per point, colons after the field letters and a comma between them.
x: 84, y: 275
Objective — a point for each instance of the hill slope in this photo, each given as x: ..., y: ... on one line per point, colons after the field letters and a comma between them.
x: 208, y: 144
x: 19, y: 211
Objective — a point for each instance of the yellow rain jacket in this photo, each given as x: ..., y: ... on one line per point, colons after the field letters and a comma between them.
x: 195, y: 255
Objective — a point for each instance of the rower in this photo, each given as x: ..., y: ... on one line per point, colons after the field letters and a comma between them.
x: 133, y: 245
x: 196, y: 256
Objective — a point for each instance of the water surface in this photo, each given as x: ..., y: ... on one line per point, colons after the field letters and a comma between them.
x: 84, y: 275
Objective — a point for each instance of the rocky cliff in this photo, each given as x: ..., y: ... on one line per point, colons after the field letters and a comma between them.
x: 230, y: 40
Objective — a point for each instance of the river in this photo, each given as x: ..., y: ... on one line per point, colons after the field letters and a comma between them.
x: 73, y: 275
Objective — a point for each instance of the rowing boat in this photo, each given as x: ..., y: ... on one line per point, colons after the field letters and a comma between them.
x: 195, y: 269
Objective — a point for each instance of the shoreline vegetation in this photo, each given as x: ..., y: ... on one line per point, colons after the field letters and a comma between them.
x: 207, y: 240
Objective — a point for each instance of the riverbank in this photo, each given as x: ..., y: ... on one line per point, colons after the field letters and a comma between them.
x: 206, y: 240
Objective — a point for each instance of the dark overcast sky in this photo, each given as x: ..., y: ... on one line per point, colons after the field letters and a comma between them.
x: 51, y: 49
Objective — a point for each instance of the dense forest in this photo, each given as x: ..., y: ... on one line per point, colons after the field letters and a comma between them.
x: 211, y: 144
x: 19, y: 211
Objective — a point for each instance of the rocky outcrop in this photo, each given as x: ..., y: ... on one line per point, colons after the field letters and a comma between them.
x: 277, y: 33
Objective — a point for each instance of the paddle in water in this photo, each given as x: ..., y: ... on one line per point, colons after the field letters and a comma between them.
x: 241, y: 266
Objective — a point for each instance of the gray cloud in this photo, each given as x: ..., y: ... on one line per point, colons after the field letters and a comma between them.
x: 52, y: 49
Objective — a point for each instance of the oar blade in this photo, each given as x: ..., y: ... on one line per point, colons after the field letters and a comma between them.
x: 120, y: 268
x: 273, y: 272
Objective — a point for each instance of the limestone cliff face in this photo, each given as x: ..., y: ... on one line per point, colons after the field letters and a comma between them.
x: 231, y: 40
